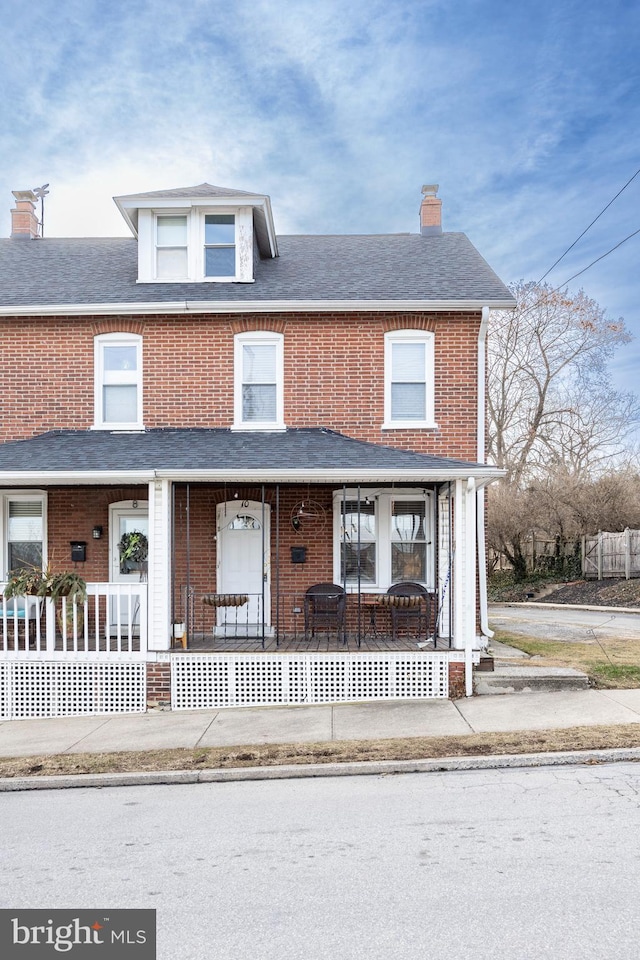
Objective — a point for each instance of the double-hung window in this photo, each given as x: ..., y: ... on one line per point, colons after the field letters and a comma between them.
x: 24, y: 525
x: 409, y: 379
x: 219, y: 245
x: 171, y: 248
x: 408, y: 540
x: 118, y: 381
x: 259, y: 381
x: 358, y: 541
x: 383, y: 537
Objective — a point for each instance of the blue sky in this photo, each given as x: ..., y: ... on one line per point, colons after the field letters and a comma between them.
x: 526, y: 113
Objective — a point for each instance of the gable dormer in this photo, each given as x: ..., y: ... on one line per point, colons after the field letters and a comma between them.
x: 199, y: 234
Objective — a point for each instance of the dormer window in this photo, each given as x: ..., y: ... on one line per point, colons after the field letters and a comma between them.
x: 219, y: 245
x: 171, y: 248
x: 201, y: 234
x: 196, y: 245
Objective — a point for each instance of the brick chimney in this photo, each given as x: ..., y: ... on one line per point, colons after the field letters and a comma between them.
x: 430, y: 211
x: 24, y: 223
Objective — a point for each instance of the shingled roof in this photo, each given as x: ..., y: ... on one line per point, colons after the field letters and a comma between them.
x: 293, y: 454
x: 200, y: 190
x: 390, y: 267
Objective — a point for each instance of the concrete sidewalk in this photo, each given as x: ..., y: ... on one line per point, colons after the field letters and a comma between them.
x: 359, y: 721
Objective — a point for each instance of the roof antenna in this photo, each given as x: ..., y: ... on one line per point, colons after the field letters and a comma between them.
x: 41, y: 193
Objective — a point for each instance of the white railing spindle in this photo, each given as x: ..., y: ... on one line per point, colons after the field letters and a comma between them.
x: 113, y: 620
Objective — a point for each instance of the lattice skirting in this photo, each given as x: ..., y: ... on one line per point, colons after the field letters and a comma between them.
x: 44, y: 688
x: 229, y: 680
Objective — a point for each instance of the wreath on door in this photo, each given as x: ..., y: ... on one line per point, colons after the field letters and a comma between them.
x: 133, y: 548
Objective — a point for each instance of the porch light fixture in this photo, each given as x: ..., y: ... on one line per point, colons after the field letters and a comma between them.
x: 96, y: 533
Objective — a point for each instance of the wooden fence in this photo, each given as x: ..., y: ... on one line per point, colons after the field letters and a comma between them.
x: 543, y: 556
x: 600, y: 557
x: 611, y: 555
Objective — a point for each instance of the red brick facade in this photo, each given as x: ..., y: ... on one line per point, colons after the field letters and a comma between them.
x: 159, y: 684
x: 333, y: 373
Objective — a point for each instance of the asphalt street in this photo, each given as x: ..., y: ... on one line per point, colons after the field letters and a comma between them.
x: 520, y: 864
x: 569, y: 624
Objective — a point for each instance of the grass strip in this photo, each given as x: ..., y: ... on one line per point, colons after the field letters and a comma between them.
x: 342, y: 751
x: 609, y: 663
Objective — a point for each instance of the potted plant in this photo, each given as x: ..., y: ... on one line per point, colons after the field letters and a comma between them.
x: 31, y: 581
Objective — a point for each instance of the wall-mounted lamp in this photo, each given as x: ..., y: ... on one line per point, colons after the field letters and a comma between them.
x: 96, y: 533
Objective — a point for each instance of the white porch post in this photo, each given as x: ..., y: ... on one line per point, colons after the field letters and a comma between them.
x: 464, y: 603
x: 470, y: 584
x: 459, y: 566
x: 159, y: 585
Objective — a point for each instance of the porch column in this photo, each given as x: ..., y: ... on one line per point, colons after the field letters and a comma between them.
x: 470, y: 579
x: 159, y: 565
x: 464, y: 566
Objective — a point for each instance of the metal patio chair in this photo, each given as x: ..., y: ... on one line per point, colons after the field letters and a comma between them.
x: 410, y: 607
x: 325, y: 607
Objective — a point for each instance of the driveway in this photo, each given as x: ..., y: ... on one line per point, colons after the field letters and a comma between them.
x: 570, y: 624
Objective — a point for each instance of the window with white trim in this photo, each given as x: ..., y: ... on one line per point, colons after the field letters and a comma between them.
x: 171, y: 248
x: 219, y: 245
x: 258, y: 374
x: 118, y: 381
x: 409, y: 379
x: 24, y: 521
x: 195, y: 245
x: 383, y: 537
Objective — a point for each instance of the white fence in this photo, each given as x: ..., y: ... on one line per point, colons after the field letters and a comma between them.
x: 611, y: 555
x: 113, y: 620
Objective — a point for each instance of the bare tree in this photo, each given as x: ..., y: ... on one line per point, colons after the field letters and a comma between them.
x: 555, y: 422
x: 560, y: 506
x: 551, y: 401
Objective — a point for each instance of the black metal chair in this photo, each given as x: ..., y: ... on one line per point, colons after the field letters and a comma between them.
x: 410, y: 607
x: 325, y: 606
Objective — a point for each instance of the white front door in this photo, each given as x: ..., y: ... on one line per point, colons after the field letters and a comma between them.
x: 126, y: 517
x: 243, y: 537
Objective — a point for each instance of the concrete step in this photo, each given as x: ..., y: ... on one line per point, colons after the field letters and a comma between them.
x: 509, y: 678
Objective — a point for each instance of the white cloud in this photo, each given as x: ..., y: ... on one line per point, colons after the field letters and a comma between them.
x: 340, y: 112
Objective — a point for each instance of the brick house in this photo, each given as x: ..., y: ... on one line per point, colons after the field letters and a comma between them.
x: 270, y: 413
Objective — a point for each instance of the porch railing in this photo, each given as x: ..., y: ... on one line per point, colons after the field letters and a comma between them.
x: 286, y: 616
x: 112, y: 620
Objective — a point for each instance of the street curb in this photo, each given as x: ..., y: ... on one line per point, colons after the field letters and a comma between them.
x: 315, y: 770
x: 562, y: 606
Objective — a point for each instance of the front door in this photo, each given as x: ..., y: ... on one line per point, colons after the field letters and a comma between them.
x: 125, y: 519
x: 243, y: 566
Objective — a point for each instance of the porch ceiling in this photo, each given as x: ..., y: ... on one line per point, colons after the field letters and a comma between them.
x: 216, y: 455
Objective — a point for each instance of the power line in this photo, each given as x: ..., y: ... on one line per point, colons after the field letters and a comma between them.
x: 622, y: 189
x: 578, y: 274
x: 597, y: 260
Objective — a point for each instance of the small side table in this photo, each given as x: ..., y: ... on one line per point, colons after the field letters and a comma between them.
x: 371, y: 629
